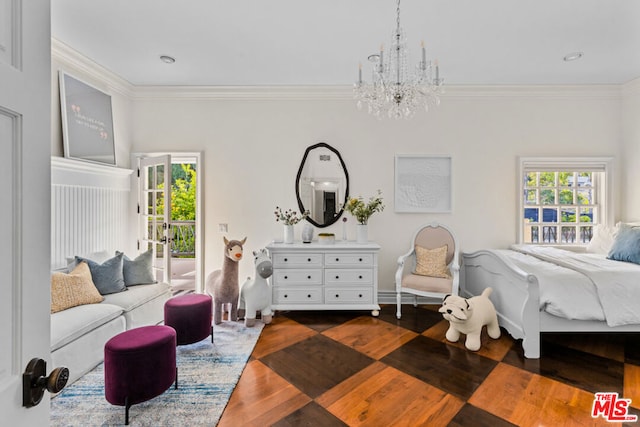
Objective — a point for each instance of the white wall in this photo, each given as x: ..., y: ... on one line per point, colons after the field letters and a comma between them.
x: 253, y: 142
x: 631, y: 150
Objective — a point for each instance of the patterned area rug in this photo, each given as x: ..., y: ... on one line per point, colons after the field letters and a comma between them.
x: 207, y: 375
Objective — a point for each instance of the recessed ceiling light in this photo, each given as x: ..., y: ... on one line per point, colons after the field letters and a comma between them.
x: 167, y: 59
x: 573, y: 56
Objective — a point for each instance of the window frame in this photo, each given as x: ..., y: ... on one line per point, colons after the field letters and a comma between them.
x: 604, y: 187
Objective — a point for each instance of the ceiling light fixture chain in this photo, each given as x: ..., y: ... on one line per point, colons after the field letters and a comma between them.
x: 394, y: 90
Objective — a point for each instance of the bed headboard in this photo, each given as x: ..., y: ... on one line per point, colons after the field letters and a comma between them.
x: 89, y: 208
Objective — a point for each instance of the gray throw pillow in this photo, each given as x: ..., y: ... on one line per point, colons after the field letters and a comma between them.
x: 140, y: 270
x: 108, y: 276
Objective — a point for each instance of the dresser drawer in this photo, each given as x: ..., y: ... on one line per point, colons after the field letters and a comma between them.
x: 297, y: 296
x: 297, y: 260
x: 348, y: 276
x: 285, y: 277
x: 348, y: 259
x: 351, y: 295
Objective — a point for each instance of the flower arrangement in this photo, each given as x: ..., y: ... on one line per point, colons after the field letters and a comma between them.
x: 361, y: 210
x: 289, y: 217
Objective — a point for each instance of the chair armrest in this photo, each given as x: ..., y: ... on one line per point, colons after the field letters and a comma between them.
x: 402, y: 259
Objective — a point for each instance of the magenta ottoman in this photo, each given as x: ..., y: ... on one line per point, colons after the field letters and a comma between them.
x: 190, y: 315
x: 139, y: 364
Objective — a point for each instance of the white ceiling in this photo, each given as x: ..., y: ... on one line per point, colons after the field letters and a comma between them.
x: 321, y: 42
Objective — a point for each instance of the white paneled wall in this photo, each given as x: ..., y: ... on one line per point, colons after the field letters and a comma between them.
x: 89, y: 209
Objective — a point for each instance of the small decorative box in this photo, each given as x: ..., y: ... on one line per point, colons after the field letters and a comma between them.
x: 326, y: 238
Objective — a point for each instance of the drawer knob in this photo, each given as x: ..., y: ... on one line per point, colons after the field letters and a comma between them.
x: 309, y: 259
x: 359, y: 295
x: 286, y: 277
x: 308, y: 295
x: 286, y: 259
x: 337, y: 296
x: 360, y: 260
x: 309, y: 277
x: 337, y: 277
x: 337, y: 259
x: 286, y: 296
x: 359, y: 277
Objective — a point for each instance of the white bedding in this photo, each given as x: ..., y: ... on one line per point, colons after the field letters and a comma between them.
x: 582, y: 286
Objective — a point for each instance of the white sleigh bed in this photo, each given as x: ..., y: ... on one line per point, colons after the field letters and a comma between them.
x: 544, y: 289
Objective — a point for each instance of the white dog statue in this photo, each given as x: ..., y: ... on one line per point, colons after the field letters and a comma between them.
x: 468, y: 316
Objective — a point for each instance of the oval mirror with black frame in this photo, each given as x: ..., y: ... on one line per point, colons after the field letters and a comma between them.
x: 322, y: 184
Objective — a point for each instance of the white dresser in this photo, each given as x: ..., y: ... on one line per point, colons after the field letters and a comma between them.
x: 314, y: 276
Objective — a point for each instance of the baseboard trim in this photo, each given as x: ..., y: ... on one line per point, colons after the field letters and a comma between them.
x: 389, y: 297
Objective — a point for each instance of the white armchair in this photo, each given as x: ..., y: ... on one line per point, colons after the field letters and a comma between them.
x: 430, y: 268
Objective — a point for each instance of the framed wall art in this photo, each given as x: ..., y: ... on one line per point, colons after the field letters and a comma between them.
x: 87, y: 121
x: 422, y: 183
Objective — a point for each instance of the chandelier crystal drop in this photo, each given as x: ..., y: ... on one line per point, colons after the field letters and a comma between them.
x: 395, y: 90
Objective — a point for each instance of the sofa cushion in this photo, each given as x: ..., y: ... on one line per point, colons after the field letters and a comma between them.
x: 73, y: 289
x: 135, y: 296
x: 107, y: 276
x: 71, y: 324
x: 138, y: 271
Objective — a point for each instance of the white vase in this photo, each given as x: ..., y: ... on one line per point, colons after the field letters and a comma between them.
x: 288, y: 233
x: 362, y: 233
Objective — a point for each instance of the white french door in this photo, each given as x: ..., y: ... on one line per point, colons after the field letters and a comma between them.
x: 154, y: 212
x: 25, y: 165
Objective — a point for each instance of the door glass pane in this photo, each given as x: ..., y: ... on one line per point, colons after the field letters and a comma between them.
x: 530, y: 197
x: 150, y: 181
x: 159, y: 176
x: 150, y: 210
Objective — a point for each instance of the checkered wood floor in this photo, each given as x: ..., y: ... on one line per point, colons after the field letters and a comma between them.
x: 348, y: 368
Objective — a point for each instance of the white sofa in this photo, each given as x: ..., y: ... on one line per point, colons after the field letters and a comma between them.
x: 78, y: 334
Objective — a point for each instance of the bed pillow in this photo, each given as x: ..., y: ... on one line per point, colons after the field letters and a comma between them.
x: 138, y: 271
x: 108, y: 276
x: 432, y: 262
x: 73, y: 289
x: 602, y: 240
x: 626, y: 246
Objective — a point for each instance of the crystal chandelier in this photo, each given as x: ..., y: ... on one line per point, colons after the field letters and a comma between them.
x: 394, y: 89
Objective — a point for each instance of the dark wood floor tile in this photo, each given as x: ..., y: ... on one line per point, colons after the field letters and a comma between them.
x: 316, y: 364
x: 577, y: 368
x: 636, y: 412
x: 446, y: 367
x: 416, y: 319
x: 632, y: 349
x: 469, y: 415
x: 311, y: 415
x: 322, y: 320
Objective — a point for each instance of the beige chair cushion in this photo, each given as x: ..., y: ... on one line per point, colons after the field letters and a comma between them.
x: 427, y: 283
x: 73, y: 289
x: 432, y: 262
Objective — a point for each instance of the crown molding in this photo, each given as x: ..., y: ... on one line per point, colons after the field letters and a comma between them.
x: 631, y: 88
x: 345, y: 92
x: 73, y: 59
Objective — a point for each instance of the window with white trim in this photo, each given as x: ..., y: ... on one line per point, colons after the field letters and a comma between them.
x: 562, y: 200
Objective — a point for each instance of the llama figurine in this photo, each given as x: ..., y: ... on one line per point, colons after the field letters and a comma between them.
x: 255, y: 295
x: 222, y: 285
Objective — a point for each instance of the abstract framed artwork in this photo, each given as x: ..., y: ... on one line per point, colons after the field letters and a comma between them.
x: 423, y: 183
x: 87, y: 121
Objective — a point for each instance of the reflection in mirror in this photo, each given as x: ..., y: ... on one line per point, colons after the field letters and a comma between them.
x: 322, y: 184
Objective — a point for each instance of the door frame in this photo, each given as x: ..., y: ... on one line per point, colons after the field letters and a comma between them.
x: 196, y: 158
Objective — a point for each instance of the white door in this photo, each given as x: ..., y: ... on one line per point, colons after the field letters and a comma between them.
x: 25, y: 165
x: 154, y: 212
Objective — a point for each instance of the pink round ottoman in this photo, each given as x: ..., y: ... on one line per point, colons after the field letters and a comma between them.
x: 139, y: 364
x: 190, y: 315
